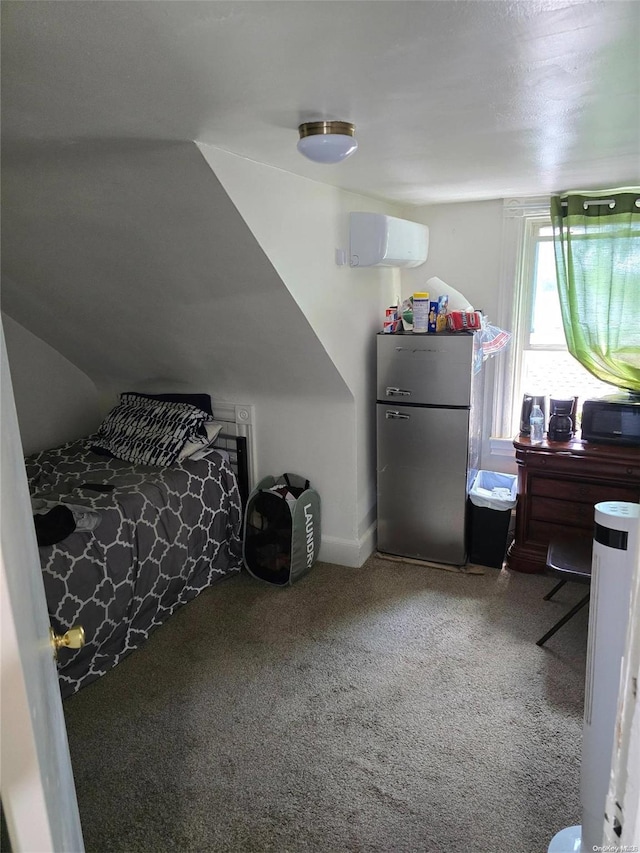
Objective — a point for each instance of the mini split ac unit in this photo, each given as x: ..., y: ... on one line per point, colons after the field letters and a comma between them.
x: 385, y: 241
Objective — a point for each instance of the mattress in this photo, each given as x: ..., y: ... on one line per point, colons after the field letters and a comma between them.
x: 162, y: 536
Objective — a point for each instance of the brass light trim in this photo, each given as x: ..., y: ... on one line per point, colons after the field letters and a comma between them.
x: 318, y: 128
x: 327, y: 142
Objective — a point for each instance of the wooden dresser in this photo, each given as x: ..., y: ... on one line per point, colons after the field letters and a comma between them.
x: 558, y: 485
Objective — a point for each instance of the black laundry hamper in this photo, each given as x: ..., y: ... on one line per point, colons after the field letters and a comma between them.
x: 281, y: 529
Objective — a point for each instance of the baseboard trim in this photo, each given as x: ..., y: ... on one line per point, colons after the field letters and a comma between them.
x: 348, y: 552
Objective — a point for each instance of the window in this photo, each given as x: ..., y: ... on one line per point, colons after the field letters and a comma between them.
x: 538, y: 361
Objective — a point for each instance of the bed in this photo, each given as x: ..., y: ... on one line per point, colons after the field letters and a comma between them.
x: 124, y: 543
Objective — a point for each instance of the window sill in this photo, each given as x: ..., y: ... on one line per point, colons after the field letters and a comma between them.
x: 502, y: 447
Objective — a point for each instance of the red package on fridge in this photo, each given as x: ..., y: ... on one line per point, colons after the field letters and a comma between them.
x: 462, y: 321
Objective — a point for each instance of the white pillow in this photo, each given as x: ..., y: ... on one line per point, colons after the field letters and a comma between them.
x: 213, y: 429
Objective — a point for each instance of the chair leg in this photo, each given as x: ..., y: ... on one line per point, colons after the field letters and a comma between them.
x: 554, y: 590
x: 564, y: 619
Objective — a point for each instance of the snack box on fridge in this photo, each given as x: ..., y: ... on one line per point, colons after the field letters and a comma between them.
x: 441, y: 319
x: 433, y: 314
x: 463, y: 321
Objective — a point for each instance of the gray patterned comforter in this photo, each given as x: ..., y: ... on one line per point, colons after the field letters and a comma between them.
x: 164, y: 535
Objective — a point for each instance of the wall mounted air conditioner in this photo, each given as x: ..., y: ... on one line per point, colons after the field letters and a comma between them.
x: 377, y: 240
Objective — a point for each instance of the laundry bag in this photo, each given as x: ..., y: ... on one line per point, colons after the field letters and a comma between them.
x: 281, y: 537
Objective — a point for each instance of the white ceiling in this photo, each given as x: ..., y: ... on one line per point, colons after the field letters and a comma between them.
x: 452, y: 100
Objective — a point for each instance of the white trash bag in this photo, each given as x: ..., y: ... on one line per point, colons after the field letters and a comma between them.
x: 492, y: 490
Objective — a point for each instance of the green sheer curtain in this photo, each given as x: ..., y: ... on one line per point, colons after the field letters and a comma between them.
x: 597, y: 252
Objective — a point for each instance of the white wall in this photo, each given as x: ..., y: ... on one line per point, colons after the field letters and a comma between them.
x: 149, y: 274
x: 174, y: 264
x: 145, y: 271
x: 465, y: 244
x: 315, y: 438
x: 466, y: 251
x: 56, y: 402
x: 299, y: 224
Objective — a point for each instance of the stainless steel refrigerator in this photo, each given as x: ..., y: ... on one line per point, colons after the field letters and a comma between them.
x: 429, y: 429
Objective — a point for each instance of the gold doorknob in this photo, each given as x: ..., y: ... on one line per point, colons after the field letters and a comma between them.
x: 71, y: 639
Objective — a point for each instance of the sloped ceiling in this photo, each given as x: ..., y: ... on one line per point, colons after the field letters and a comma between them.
x: 452, y: 100
x: 121, y: 248
x: 131, y: 261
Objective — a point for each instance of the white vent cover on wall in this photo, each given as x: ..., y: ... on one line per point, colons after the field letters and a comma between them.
x: 377, y: 240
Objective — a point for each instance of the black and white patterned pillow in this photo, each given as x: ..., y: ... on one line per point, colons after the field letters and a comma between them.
x: 203, y: 441
x: 149, y: 432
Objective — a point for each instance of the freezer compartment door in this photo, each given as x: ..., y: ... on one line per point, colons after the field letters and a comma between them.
x: 422, y: 488
x: 434, y: 370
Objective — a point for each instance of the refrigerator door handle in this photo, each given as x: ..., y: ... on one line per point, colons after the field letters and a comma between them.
x: 390, y: 415
x: 397, y: 392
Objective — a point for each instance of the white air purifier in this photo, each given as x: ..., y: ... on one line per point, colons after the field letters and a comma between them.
x: 612, y: 567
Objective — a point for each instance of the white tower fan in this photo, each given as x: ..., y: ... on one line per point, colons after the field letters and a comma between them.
x: 613, y: 562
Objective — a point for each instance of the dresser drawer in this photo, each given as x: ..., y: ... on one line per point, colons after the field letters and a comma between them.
x: 569, y: 513
x: 559, y: 484
x: 606, y: 467
x: 540, y: 533
x: 582, y: 492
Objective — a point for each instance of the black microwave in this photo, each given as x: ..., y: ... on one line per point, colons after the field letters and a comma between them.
x: 612, y: 420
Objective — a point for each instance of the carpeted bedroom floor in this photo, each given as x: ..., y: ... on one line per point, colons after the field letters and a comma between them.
x: 389, y: 708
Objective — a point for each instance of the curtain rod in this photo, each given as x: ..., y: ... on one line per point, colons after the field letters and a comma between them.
x: 593, y: 202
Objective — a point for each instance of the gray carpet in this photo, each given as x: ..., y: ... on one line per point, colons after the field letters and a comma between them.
x: 388, y: 708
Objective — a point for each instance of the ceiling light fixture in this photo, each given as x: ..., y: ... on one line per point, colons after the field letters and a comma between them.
x: 327, y: 141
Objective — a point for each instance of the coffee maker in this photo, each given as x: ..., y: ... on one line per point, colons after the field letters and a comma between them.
x: 528, y: 402
x: 562, y: 418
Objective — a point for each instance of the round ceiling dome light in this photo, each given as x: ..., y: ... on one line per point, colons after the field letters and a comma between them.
x: 327, y: 141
